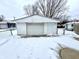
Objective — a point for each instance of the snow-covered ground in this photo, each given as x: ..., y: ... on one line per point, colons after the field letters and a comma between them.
x: 67, y: 33
x: 14, y: 47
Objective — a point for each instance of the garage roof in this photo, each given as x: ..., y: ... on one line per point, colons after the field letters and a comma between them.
x: 36, y: 19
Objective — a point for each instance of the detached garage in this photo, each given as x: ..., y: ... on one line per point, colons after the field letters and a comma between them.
x: 36, y: 25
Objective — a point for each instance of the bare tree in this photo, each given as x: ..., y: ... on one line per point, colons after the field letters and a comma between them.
x: 1, y: 17
x: 30, y: 10
x: 48, y: 8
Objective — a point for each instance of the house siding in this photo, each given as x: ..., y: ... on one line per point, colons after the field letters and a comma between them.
x: 76, y: 28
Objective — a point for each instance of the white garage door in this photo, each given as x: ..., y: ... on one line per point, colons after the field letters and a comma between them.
x: 35, y: 29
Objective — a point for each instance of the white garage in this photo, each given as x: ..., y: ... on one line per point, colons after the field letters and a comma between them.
x: 36, y: 25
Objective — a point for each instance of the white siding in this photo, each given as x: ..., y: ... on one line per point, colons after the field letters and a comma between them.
x: 3, y: 26
x: 21, y: 28
x: 25, y: 29
x: 52, y: 28
x: 45, y: 28
x: 35, y: 29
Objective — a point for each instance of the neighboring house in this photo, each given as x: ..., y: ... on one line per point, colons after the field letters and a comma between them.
x: 11, y: 24
x: 36, y: 25
x: 3, y: 25
x: 69, y: 26
x: 76, y: 27
x: 73, y: 26
x: 7, y: 24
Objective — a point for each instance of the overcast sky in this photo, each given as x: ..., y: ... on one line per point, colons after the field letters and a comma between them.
x: 14, y: 8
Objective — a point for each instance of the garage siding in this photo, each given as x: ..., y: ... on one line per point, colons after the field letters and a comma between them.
x: 25, y: 29
x: 21, y: 28
x: 51, y: 28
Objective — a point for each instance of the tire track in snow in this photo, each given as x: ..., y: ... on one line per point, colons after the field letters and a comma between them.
x: 4, y: 42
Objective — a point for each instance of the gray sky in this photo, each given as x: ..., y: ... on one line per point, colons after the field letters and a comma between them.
x: 74, y: 8
x: 14, y: 8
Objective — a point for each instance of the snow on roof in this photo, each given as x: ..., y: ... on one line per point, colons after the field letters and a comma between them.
x: 70, y: 23
x: 73, y: 23
x: 36, y: 19
x: 76, y: 22
x: 7, y: 21
x: 4, y: 21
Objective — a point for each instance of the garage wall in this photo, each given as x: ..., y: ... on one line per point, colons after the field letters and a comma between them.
x: 21, y: 28
x: 51, y: 28
x: 45, y: 28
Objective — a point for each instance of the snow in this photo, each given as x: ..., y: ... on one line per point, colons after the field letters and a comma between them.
x: 67, y: 33
x: 36, y: 19
x: 15, y: 47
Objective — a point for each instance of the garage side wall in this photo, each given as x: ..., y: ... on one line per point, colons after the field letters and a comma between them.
x: 21, y: 29
x: 51, y: 28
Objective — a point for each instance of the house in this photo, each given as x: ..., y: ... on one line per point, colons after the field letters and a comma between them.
x: 11, y: 24
x: 76, y: 27
x: 73, y: 26
x: 3, y: 25
x: 36, y: 25
x: 70, y: 26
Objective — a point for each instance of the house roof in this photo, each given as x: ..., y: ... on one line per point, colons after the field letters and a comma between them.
x: 36, y: 19
x: 73, y: 23
x: 4, y: 21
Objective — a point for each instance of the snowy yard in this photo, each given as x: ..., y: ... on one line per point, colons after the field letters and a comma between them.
x: 14, y: 47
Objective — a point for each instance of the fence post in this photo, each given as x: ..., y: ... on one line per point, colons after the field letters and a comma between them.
x: 64, y: 31
x: 11, y: 32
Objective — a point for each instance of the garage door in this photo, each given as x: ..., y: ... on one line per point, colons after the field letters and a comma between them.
x: 35, y: 29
